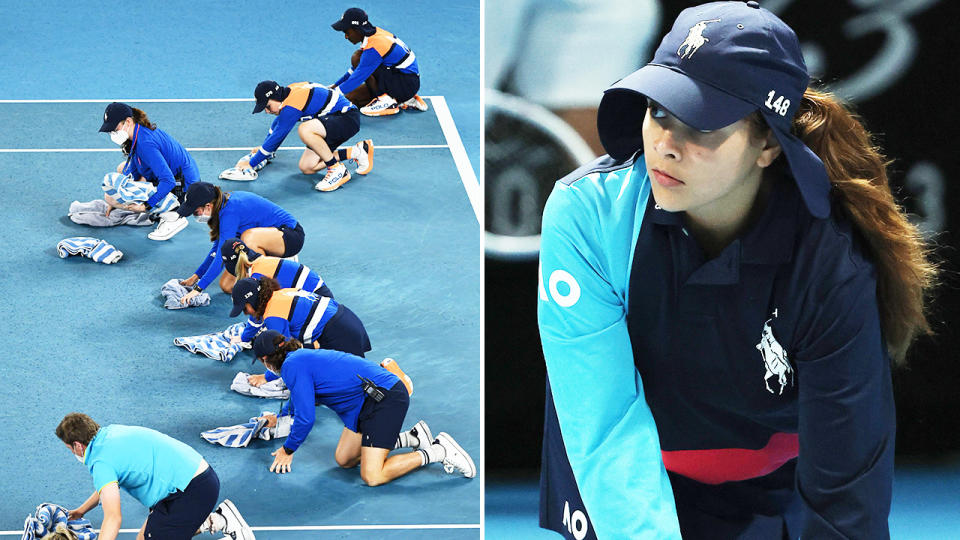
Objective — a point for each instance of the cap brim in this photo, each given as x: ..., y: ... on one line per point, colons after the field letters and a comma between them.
x: 235, y: 311
x: 259, y: 107
x: 808, y: 171
x: 696, y: 104
x: 339, y: 26
x: 105, y: 128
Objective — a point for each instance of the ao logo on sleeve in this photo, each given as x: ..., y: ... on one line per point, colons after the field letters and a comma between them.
x: 576, y: 523
x: 563, y: 287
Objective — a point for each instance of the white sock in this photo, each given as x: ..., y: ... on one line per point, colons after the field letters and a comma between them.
x: 406, y: 439
x: 214, y: 523
x: 433, y: 453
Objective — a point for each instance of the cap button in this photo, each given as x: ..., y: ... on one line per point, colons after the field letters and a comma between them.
x: 753, y: 4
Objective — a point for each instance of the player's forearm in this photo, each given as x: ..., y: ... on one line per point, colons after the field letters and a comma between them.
x: 91, y: 502
x: 110, y: 528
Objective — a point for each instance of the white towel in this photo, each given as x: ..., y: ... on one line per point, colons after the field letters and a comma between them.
x: 174, y: 291
x: 217, y: 345
x: 92, y: 248
x: 273, y: 389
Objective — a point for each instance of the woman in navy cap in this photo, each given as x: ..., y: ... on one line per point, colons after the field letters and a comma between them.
x: 319, y: 322
x: 152, y: 156
x: 384, y: 76
x: 370, y: 400
x: 260, y: 223
x: 721, y: 298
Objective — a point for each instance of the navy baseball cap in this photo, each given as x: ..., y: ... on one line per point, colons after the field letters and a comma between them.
x: 198, y: 194
x: 115, y: 113
x: 245, y: 291
x: 263, y: 344
x: 228, y: 253
x: 720, y: 62
x: 265, y: 90
x: 354, y: 18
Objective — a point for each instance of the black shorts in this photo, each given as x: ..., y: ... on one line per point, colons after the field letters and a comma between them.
x: 292, y: 240
x: 344, y: 332
x: 380, y: 422
x: 178, y: 515
x: 340, y: 127
x: 397, y: 84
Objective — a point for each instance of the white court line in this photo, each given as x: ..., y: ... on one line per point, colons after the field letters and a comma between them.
x: 222, y: 149
x: 438, y: 526
x: 467, y: 176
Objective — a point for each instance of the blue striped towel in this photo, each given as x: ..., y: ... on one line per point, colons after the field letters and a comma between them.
x: 46, y: 518
x: 93, y: 248
x: 124, y: 189
x: 240, y: 435
x: 217, y: 345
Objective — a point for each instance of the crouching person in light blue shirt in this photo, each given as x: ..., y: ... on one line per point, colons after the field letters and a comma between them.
x: 167, y: 476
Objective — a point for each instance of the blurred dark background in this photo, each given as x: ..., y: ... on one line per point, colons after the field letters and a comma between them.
x: 896, y: 62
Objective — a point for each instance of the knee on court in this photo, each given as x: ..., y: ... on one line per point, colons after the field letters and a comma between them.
x: 373, y: 479
x: 345, y: 461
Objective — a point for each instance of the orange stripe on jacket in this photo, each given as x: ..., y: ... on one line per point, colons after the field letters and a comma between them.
x: 299, y: 92
x: 280, y: 303
x: 381, y: 41
x: 265, y: 266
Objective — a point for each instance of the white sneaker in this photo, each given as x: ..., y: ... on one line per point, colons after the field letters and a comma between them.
x: 336, y: 176
x: 416, y: 102
x: 421, y: 431
x: 381, y: 106
x: 362, y: 152
x: 170, y: 224
x: 236, y: 528
x: 455, y: 458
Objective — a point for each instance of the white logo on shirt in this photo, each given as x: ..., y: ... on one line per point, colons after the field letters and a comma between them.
x: 576, y: 523
x: 571, y: 297
x: 695, y: 39
x: 774, y: 359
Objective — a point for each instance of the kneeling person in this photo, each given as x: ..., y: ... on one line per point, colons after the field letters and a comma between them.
x: 327, y: 120
x: 372, y: 403
x: 166, y: 475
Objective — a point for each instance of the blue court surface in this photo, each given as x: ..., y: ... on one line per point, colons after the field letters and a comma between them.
x: 400, y: 247
x: 924, y: 504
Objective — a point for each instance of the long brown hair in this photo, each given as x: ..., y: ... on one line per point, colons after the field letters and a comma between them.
x: 858, y: 171
x: 268, y: 286
x: 220, y: 198
x: 275, y: 360
x: 141, y: 118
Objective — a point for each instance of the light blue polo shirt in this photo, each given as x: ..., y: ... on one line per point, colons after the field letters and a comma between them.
x: 147, y: 464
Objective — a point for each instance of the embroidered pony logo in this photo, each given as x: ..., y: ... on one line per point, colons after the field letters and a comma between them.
x: 695, y: 39
x: 774, y: 359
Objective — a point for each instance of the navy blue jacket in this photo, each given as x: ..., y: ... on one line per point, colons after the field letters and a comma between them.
x: 764, y: 367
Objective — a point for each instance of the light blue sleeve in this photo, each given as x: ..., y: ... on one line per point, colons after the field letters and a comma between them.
x: 611, y: 440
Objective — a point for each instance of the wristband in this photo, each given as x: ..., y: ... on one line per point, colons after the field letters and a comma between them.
x: 197, y: 288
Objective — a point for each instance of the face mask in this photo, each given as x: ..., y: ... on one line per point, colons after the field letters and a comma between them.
x: 119, y: 137
x: 79, y: 458
x: 202, y: 218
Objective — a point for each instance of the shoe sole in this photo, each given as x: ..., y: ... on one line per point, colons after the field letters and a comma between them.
x: 245, y: 531
x: 369, y: 144
x: 154, y: 236
x: 382, y: 112
x: 453, y: 443
x: 342, y: 181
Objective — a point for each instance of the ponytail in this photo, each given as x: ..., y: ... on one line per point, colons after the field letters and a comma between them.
x: 243, y: 263
x: 140, y: 117
x: 267, y: 287
x: 219, y: 199
x: 857, y: 170
x: 275, y: 360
